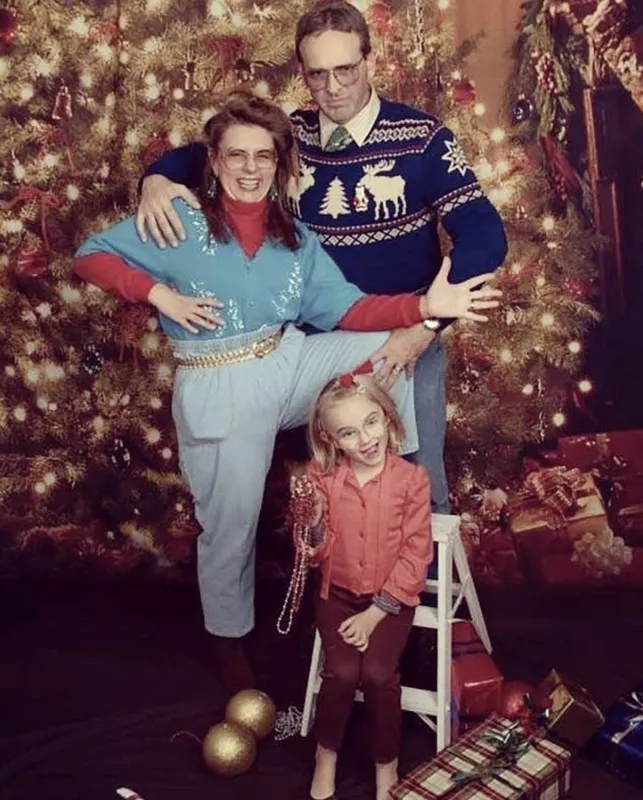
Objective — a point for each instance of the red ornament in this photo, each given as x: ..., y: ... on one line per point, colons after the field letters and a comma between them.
x: 513, y: 705
x: 8, y: 25
x: 379, y: 17
x: 32, y: 263
x: 463, y: 93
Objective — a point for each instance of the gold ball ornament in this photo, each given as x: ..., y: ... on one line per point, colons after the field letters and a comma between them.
x: 253, y: 710
x: 229, y: 749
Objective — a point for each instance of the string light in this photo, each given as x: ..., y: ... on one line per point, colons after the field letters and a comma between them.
x: 549, y: 223
x: 574, y: 347
x: 444, y: 4
x: 506, y: 355
x: 153, y: 436
x: 479, y: 109
x: 547, y: 320
x: 497, y: 135
x: 585, y: 386
x: 528, y: 389
x: 558, y: 419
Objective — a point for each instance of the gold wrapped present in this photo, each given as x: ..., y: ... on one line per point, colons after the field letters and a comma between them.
x: 574, y: 716
x: 556, y: 507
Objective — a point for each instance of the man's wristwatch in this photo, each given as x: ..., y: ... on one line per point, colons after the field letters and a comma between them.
x: 431, y: 324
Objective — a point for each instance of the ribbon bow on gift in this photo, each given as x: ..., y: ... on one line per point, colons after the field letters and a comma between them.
x: 511, y: 743
x: 632, y: 721
x: 557, y: 489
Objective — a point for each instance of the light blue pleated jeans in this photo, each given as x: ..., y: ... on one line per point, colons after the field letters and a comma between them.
x: 227, y: 419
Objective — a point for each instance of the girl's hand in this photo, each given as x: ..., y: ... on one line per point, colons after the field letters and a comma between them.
x: 305, y: 502
x: 190, y: 313
x: 459, y: 300
x: 357, y: 630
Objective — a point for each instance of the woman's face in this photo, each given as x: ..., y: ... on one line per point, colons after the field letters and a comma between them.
x: 246, y: 162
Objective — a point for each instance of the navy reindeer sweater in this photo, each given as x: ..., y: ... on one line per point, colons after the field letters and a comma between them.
x: 376, y: 207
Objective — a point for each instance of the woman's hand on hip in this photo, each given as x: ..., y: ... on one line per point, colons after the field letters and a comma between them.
x: 190, y: 313
x: 156, y: 214
x: 459, y: 300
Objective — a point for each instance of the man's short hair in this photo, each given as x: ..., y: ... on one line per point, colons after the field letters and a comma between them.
x: 332, y: 15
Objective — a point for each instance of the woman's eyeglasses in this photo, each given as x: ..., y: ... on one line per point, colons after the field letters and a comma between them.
x: 345, y: 75
x: 236, y: 160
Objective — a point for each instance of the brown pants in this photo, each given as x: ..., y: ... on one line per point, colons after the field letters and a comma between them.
x: 375, y: 671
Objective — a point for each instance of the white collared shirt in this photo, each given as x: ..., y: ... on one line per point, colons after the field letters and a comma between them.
x: 359, y: 127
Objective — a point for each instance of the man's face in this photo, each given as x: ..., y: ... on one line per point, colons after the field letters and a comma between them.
x: 339, y: 51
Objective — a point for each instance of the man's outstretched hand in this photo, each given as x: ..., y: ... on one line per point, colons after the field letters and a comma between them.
x: 156, y: 214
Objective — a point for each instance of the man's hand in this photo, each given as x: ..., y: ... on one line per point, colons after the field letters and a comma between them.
x: 357, y: 630
x: 190, y: 313
x: 459, y: 300
x: 156, y: 213
x: 400, y: 352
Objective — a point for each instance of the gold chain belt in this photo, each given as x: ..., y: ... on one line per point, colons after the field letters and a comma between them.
x: 258, y: 349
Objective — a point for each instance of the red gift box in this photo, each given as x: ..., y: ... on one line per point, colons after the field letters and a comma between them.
x: 476, y: 682
x: 623, y: 449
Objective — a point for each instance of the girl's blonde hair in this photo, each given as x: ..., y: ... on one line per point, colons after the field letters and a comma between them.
x: 323, y: 448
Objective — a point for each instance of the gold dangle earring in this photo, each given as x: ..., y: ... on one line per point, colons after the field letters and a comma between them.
x: 213, y: 188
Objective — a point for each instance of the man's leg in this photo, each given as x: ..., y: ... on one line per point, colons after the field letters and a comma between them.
x: 430, y: 412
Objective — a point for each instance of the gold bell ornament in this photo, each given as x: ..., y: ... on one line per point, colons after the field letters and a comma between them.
x: 229, y: 749
x: 253, y: 710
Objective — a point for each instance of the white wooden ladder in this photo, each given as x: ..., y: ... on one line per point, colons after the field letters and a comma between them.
x: 433, y: 708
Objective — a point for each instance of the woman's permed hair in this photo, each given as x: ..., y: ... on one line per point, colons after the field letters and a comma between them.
x: 323, y: 449
x: 244, y: 108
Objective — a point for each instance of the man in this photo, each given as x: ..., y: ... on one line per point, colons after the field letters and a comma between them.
x: 375, y: 178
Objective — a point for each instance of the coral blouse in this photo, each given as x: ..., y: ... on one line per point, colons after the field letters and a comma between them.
x: 378, y: 536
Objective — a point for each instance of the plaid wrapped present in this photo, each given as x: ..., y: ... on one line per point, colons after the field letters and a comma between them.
x: 540, y: 773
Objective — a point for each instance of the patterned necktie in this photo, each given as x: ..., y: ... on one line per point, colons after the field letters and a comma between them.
x: 339, y: 139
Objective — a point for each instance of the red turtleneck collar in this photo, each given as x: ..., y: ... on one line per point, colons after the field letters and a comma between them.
x: 248, y: 222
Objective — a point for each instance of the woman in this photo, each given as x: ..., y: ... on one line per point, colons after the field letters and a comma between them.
x: 244, y: 371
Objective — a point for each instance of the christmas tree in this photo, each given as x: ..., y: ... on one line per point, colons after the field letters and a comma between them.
x: 95, y: 91
x: 335, y: 201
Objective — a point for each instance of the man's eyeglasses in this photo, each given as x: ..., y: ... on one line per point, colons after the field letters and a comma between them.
x: 236, y: 160
x: 345, y: 75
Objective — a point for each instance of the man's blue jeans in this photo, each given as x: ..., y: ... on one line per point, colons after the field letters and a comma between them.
x: 430, y: 413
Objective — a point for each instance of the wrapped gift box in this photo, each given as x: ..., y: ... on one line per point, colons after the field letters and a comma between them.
x: 618, y: 745
x: 539, y: 528
x: 574, y: 716
x: 542, y: 773
x: 621, y: 450
x: 476, y: 682
x: 616, y: 461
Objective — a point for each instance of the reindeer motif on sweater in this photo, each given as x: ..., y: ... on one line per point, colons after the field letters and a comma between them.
x: 383, y: 189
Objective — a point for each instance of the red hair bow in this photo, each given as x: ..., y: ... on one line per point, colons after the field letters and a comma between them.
x: 348, y: 379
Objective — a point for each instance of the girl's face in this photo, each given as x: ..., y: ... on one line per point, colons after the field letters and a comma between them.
x: 246, y: 162
x: 359, y: 428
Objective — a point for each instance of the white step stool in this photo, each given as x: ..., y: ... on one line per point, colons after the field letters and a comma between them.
x: 433, y: 708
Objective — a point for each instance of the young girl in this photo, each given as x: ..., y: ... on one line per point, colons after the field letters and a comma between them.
x: 371, y: 538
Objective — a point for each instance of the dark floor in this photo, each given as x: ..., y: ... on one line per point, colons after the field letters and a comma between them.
x: 95, y: 680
